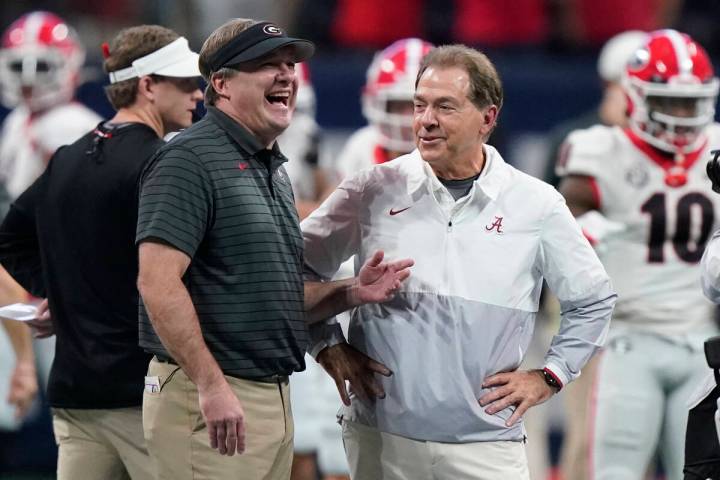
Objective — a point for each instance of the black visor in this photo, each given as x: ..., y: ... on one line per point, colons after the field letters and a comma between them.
x: 258, y: 41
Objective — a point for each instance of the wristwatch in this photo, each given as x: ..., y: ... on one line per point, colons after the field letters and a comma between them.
x: 551, y: 379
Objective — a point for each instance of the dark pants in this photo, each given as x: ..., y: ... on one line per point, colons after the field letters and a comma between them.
x: 702, y: 451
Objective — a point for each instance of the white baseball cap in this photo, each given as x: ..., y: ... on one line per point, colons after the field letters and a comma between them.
x: 173, y: 60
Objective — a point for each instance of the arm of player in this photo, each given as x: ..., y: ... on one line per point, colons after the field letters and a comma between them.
x: 582, y: 199
x: 175, y: 320
x: 377, y: 282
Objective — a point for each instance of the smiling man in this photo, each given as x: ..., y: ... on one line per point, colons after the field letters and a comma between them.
x: 457, y: 331
x: 221, y: 270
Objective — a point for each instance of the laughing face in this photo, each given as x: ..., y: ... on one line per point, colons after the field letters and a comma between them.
x: 261, y: 96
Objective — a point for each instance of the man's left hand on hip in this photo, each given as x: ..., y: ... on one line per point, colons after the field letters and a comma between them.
x: 522, y: 388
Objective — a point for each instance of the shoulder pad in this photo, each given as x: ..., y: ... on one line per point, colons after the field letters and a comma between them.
x: 586, y: 151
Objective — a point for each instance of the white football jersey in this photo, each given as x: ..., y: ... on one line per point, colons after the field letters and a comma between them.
x: 654, y: 261
x: 297, y: 142
x: 360, y: 152
x: 28, y: 141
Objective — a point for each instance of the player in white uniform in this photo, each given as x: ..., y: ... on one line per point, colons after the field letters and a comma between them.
x: 300, y: 143
x: 318, y: 438
x: 642, y: 196
x: 387, y: 102
x: 40, y: 62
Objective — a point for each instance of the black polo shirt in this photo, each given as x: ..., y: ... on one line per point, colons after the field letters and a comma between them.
x: 215, y: 193
x: 71, y: 237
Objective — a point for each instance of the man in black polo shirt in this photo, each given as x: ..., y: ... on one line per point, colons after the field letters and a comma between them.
x: 70, y: 237
x: 221, y: 261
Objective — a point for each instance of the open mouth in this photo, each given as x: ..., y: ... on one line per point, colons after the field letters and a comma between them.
x: 279, y: 99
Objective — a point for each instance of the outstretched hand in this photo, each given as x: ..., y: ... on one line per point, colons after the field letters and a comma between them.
x: 379, y: 281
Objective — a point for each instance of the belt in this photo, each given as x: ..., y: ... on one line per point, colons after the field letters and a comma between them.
x: 280, y: 379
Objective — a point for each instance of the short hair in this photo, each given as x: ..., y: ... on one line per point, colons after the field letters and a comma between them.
x: 485, y: 85
x: 127, y: 46
x: 218, y: 39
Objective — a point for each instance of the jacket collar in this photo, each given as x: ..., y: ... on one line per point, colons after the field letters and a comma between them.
x: 493, y: 178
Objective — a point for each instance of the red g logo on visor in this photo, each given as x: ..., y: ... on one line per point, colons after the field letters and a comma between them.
x: 272, y: 30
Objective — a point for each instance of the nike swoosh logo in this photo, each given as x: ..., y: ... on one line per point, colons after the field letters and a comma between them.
x: 395, y: 212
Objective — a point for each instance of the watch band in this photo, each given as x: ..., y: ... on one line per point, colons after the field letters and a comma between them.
x: 551, y: 379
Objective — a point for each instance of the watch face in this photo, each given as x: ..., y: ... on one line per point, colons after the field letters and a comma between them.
x: 550, y: 380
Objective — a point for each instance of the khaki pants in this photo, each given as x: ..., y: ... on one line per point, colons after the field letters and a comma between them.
x: 375, y: 455
x: 103, y: 444
x: 177, y: 436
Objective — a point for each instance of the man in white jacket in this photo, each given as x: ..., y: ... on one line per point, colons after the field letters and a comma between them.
x: 484, y: 237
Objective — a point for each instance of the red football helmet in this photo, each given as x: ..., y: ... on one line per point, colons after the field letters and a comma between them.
x: 40, y: 61
x: 389, y: 89
x: 672, y: 91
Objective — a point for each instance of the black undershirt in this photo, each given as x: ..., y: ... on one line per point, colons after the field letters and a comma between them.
x: 459, y: 188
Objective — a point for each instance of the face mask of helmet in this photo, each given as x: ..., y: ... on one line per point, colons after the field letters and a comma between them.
x: 392, y: 115
x: 678, y: 121
x: 39, y: 62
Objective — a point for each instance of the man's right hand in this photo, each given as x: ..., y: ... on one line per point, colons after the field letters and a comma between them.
x: 42, y: 325
x: 224, y: 417
x: 343, y: 362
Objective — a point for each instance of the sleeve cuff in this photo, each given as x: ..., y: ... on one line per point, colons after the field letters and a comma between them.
x: 556, y: 372
x: 323, y: 335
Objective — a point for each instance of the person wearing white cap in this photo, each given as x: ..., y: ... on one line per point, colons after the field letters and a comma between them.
x: 70, y: 237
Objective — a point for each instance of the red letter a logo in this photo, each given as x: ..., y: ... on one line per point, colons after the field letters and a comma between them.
x: 496, y: 225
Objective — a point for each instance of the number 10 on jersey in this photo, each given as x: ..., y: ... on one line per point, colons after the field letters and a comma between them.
x: 688, y: 240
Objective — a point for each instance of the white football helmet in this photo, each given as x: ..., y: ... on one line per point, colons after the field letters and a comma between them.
x: 40, y: 61
x: 391, y: 78
x: 305, y: 103
x: 672, y: 91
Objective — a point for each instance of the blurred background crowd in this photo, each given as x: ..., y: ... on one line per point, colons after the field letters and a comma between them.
x: 546, y: 51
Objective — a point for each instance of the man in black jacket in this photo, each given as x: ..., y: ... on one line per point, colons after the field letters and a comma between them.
x: 70, y: 238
